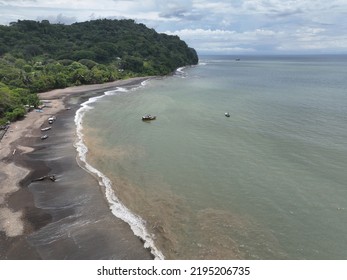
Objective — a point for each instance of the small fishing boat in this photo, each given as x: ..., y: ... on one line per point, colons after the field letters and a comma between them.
x: 46, y: 128
x: 51, y: 119
x: 148, y: 118
x: 44, y: 137
x: 227, y: 115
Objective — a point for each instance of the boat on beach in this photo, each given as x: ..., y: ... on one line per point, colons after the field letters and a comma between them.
x: 51, y: 177
x: 46, y: 128
x: 51, y: 119
x: 148, y: 118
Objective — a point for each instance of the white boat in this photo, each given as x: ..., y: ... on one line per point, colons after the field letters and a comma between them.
x: 46, y: 128
x: 227, y: 115
x: 44, y: 137
x: 148, y: 118
x: 51, y: 119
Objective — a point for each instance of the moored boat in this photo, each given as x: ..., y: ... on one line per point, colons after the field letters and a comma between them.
x: 148, y: 118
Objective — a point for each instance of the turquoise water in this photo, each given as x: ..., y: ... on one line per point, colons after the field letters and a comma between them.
x: 267, y: 183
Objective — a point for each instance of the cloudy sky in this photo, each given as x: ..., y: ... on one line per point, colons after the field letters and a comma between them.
x: 211, y: 26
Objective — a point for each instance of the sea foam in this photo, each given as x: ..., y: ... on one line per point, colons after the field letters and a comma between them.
x: 137, y: 224
x: 180, y: 72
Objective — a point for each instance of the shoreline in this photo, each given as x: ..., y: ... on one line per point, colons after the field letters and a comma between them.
x: 27, y: 216
x: 117, y: 207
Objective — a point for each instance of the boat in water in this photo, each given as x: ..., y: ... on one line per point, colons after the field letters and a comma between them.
x: 227, y: 115
x: 148, y: 118
x: 44, y: 137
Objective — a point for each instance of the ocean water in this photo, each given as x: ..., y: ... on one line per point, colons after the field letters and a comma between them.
x: 269, y: 182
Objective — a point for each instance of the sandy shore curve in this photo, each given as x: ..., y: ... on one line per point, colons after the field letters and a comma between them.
x: 17, y: 151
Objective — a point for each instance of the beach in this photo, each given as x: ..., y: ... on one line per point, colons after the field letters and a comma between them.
x: 65, y: 218
x: 267, y: 183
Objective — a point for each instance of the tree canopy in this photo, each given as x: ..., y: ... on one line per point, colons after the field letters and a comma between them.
x: 39, y: 56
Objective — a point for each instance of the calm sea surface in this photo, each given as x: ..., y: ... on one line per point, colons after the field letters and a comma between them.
x: 269, y: 182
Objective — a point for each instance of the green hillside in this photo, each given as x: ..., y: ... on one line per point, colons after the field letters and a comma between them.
x: 39, y: 56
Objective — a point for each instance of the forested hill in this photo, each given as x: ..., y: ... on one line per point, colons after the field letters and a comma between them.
x: 38, y: 56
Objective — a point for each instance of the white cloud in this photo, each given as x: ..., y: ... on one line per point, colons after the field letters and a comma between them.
x: 229, y: 41
x: 58, y: 19
x: 313, y: 40
x: 210, y: 25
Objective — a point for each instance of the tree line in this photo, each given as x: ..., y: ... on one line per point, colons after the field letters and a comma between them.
x: 39, y: 56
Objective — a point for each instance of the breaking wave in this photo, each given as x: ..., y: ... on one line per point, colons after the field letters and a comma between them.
x: 137, y: 224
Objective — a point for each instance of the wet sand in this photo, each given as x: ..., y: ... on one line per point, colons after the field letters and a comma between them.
x: 64, y: 219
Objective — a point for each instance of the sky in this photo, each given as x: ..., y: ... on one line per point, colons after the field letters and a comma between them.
x: 211, y: 26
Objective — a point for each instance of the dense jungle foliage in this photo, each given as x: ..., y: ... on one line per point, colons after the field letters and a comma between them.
x: 39, y: 56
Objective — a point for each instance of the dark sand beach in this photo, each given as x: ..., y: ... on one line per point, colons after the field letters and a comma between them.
x: 68, y: 218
